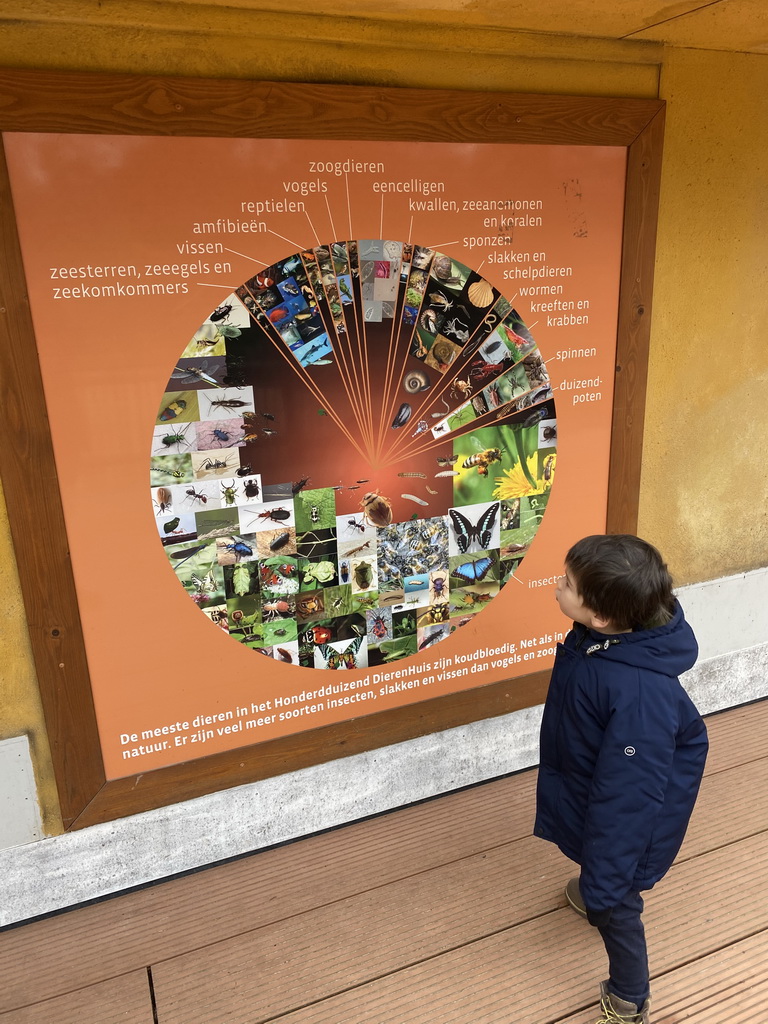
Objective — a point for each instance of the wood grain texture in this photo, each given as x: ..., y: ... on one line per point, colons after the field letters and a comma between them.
x: 121, y: 1000
x: 729, y: 985
x: 737, y: 736
x: 47, y: 101
x: 39, y: 536
x: 41, y: 101
x: 541, y: 971
x: 542, y: 966
x: 634, y: 330
x: 338, y: 947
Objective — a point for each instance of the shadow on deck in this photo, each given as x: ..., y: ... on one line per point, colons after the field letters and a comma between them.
x: 446, y: 912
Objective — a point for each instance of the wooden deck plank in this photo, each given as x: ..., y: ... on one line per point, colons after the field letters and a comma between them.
x: 737, y: 736
x: 722, y: 815
x: 382, y: 932
x: 730, y: 985
x: 462, y: 985
x: 163, y: 921
x: 311, y: 956
x: 420, y: 851
x: 123, y: 1000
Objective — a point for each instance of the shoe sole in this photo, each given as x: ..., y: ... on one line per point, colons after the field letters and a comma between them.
x: 578, y: 907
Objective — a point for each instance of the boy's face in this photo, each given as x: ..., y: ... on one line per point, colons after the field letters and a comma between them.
x: 571, y: 602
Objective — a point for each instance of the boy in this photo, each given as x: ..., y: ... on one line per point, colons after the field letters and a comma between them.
x: 622, y: 749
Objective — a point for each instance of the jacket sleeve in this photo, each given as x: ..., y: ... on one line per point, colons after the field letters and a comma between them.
x: 627, y: 791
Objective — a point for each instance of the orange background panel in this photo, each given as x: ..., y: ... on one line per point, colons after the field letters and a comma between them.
x: 153, y: 657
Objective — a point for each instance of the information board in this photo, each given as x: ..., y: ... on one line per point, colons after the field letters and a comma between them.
x: 325, y: 411
x: 399, y: 355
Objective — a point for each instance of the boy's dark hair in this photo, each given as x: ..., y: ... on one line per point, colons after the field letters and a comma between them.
x: 622, y: 579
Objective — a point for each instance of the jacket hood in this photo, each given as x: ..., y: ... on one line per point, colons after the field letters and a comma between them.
x: 668, y: 650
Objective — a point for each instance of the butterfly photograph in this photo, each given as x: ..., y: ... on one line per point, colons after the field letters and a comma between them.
x: 474, y: 570
x: 345, y: 654
x: 474, y: 528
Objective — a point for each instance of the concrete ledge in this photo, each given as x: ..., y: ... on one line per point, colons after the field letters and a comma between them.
x: 62, y: 871
x: 728, y: 614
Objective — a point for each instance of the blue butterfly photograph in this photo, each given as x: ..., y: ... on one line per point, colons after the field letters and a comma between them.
x: 474, y: 570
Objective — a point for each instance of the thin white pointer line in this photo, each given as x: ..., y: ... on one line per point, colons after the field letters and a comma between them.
x: 246, y: 257
x: 275, y: 233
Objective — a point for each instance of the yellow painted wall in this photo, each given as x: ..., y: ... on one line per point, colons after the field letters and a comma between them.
x: 704, y: 486
x: 704, y: 489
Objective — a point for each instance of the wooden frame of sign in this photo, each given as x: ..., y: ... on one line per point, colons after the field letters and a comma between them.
x: 103, y: 104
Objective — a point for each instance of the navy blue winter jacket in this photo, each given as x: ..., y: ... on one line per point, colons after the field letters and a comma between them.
x: 622, y: 755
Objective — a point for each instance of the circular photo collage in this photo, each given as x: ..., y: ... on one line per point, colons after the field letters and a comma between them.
x: 353, y: 454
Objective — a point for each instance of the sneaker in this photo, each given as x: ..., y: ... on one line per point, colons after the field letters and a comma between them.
x: 619, y: 1011
x: 573, y: 895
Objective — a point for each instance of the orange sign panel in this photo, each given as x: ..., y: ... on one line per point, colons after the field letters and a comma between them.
x: 326, y: 417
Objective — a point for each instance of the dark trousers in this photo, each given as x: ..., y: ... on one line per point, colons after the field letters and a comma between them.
x: 624, y: 938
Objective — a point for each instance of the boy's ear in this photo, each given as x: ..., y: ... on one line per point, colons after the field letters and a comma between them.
x: 599, y: 623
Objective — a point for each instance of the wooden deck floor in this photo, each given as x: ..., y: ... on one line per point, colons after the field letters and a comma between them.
x: 447, y: 912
